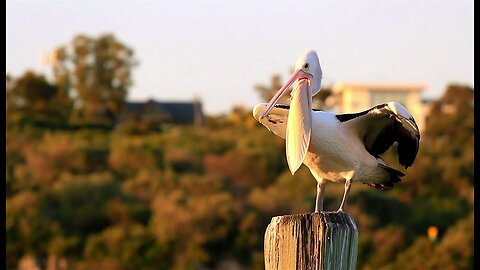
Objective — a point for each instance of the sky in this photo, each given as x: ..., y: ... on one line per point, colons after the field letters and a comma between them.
x: 219, y: 50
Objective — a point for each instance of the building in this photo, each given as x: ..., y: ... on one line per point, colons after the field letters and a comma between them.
x: 355, y: 97
x: 181, y: 113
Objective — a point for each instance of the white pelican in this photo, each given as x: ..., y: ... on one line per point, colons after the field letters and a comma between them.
x: 338, y: 147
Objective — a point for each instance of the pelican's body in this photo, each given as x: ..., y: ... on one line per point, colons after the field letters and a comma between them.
x: 339, y: 147
x: 328, y: 158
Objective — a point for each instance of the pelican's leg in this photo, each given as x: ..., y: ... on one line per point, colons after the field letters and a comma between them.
x: 320, y: 196
x: 344, y: 200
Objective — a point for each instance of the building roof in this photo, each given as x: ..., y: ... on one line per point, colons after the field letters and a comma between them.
x: 175, y: 112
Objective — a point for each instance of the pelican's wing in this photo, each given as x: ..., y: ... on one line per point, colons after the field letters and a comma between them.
x: 276, y: 120
x: 383, y: 125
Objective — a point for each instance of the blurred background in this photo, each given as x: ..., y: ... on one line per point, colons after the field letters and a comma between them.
x: 130, y: 140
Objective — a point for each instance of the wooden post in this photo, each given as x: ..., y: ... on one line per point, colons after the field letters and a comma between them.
x: 317, y: 241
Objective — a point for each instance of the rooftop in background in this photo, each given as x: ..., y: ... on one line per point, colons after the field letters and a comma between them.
x: 381, y: 86
x: 184, y: 113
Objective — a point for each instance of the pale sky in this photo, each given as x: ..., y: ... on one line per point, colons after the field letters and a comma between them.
x: 219, y: 50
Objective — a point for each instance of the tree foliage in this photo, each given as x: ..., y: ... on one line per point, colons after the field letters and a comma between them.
x: 201, y: 198
x: 32, y: 99
x: 91, y: 79
x: 98, y: 71
x: 266, y: 92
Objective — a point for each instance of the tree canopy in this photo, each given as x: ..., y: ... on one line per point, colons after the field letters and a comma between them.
x: 91, y: 79
x: 97, y: 72
x: 31, y: 98
x: 201, y: 198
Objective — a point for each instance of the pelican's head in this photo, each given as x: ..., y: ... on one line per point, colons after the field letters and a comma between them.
x: 309, y: 64
x: 307, y: 79
x: 307, y: 68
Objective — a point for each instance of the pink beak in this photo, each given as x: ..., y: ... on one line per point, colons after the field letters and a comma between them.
x: 298, y: 75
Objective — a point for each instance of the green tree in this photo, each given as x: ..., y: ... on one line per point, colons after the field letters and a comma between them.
x: 453, y: 251
x: 454, y: 108
x: 190, y: 198
x: 266, y: 92
x: 32, y: 99
x: 98, y: 70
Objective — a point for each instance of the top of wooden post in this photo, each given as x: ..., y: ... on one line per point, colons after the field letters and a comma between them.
x: 324, y: 240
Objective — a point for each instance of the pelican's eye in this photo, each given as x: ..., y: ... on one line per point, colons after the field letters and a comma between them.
x: 306, y: 66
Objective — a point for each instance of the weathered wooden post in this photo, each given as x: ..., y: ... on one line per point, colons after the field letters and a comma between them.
x: 325, y: 240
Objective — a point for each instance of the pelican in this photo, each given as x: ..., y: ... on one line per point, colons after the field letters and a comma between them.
x: 338, y: 147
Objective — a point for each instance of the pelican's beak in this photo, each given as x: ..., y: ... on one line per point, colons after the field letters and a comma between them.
x: 298, y: 75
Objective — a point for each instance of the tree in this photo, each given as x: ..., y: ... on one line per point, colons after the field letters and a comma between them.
x: 266, y: 92
x: 454, y: 108
x: 98, y: 70
x: 31, y: 98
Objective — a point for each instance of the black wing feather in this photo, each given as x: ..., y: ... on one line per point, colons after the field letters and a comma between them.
x: 380, y: 127
x: 407, y: 146
x: 349, y: 116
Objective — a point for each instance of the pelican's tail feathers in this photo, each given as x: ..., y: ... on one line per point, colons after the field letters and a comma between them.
x: 393, y: 178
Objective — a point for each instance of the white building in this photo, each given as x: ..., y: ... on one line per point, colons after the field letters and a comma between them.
x: 355, y: 97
